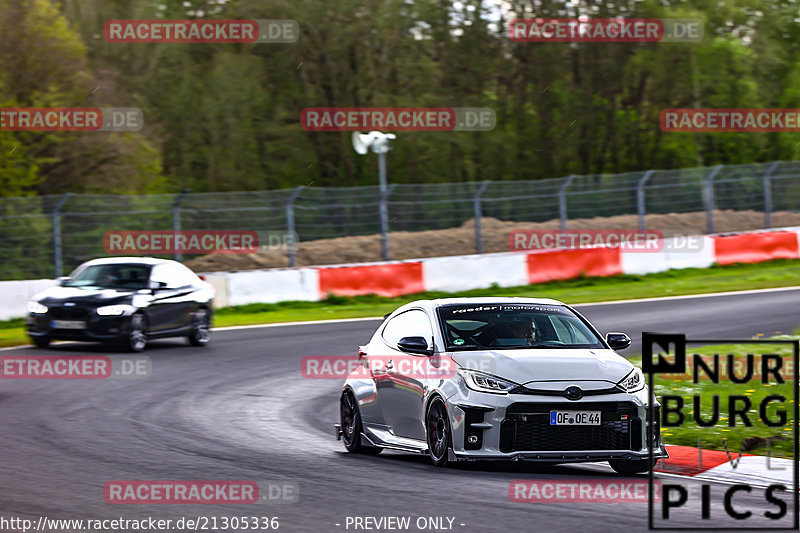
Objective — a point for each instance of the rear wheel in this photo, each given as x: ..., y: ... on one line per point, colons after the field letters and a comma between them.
x: 200, y: 334
x: 629, y: 467
x: 41, y: 342
x: 350, y: 419
x: 437, y: 426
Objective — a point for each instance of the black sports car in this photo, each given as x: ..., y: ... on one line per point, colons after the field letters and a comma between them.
x: 126, y: 300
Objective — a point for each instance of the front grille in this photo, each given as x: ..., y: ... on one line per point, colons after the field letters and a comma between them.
x: 68, y: 313
x: 527, y: 428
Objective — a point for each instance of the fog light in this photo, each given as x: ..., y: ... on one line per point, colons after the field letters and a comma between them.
x: 472, y: 439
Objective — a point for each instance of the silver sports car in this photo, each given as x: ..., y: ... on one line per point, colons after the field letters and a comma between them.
x: 499, y: 378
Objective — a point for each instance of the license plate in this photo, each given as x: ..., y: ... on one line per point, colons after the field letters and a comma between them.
x: 574, y: 418
x: 68, y: 324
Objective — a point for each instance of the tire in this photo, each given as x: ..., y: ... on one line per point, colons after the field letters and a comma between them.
x: 437, y: 428
x: 200, y: 334
x: 41, y: 342
x: 628, y: 467
x: 136, y: 339
x: 350, y: 420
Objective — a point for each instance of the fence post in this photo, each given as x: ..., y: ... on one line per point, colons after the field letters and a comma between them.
x: 768, y: 194
x: 176, y: 222
x: 57, y: 248
x: 562, y: 201
x: 382, y: 207
x: 478, y: 216
x: 640, y: 205
x: 708, y: 197
x: 290, y: 224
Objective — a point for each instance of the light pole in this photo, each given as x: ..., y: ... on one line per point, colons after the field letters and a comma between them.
x: 379, y: 143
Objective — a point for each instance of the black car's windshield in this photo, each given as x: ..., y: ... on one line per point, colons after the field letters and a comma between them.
x: 513, y: 326
x: 122, y: 276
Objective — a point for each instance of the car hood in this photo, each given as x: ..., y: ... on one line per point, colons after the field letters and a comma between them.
x: 524, y: 366
x: 84, y: 296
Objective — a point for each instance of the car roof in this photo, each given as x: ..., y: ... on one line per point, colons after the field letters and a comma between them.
x: 128, y: 261
x: 473, y: 300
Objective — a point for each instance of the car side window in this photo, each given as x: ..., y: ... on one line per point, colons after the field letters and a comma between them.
x: 414, y: 323
x: 170, y: 275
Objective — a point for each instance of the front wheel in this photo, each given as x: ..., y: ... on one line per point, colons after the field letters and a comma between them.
x: 350, y: 419
x: 136, y: 339
x: 41, y: 342
x: 629, y: 467
x: 437, y: 426
x: 200, y: 334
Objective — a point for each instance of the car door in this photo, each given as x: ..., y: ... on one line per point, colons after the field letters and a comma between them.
x: 400, y: 377
x: 172, y: 303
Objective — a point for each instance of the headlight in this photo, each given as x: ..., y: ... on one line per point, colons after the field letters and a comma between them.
x: 36, y: 308
x: 478, y: 381
x: 112, y: 310
x: 633, y: 382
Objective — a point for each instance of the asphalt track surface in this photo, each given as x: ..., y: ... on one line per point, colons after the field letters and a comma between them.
x: 240, y: 409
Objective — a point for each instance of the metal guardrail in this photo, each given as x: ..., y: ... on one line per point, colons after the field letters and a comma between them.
x: 46, y: 236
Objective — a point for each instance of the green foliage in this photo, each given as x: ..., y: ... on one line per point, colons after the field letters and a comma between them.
x: 226, y: 117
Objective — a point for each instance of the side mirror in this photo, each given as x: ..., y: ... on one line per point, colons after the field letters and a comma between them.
x: 618, y: 341
x: 156, y: 285
x: 62, y: 280
x: 416, y: 345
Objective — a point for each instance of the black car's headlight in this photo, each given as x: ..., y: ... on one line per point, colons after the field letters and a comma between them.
x: 113, y: 310
x: 478, y: 381
x: 36, y: 308
x: 633, y: 382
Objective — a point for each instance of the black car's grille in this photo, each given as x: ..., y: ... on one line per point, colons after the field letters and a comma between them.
x: 69, y: 313
x: 527, y: 428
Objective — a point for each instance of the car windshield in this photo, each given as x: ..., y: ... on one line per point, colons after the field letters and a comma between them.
x: 121, y: 276
x: 514, y: 326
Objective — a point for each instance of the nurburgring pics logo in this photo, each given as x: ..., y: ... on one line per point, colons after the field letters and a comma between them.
x: 71, y: 119
x: 760, y: 414
x: 398, y: 118
x: 201, y: 31
x: 604, y: 30
x: 187, y: 242
x: 729, y: 120
x: 74, y: 367
x: 200, y: 492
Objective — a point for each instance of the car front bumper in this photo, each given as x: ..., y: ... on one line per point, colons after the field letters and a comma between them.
x: 98, y: 328
x: 488, y: 426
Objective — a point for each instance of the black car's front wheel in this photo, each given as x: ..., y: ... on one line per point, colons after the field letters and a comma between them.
x: 41, y: 341
x: 437, y: 426
x: 201, y: 323
x: 350, y: 419
x: 136, y: 338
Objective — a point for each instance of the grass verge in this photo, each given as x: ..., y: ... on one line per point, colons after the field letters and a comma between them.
x: 779, y: 273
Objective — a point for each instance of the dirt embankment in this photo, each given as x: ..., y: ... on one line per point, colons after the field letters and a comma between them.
x: 461, y: 240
